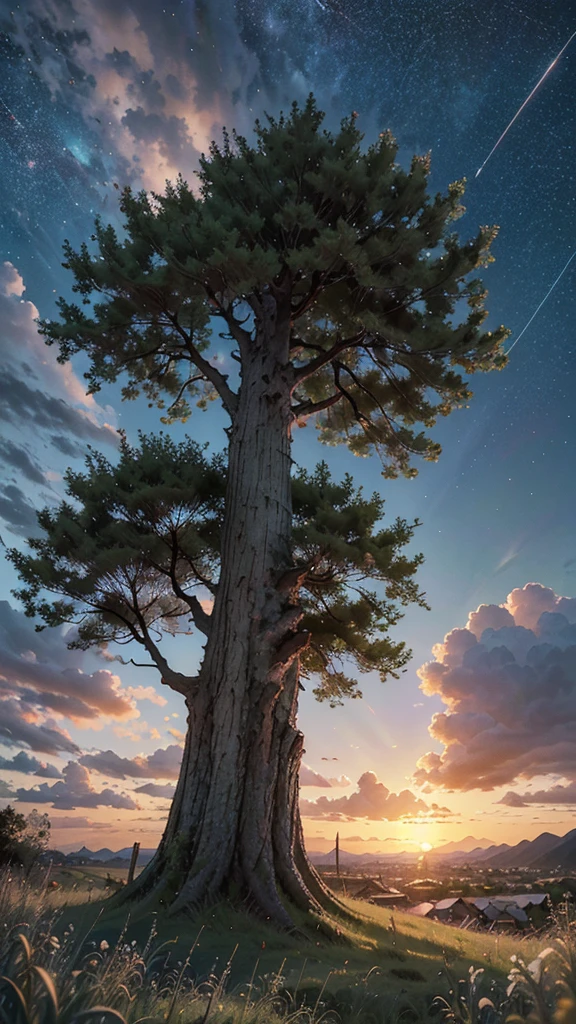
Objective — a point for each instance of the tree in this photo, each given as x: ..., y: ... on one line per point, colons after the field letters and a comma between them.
x: 341, y: 291
x: 22, y: 839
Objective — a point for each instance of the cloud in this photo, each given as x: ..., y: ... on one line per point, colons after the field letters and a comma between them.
x: 371, y: 800
x: 16, y: 511
x: 6, y: 791
x: 340, y: 782
x: 164, y: 763
x: 21, y: 724
x: 75, y: 791
x: 11, y: 281
x: 19, y: 458
x: 153, y: 789
x: 508, y: 683
x: 41, y: 681
x: 554, y: 795
x: 28, y: 765
x: 308, y: 777
x: 76, y: 821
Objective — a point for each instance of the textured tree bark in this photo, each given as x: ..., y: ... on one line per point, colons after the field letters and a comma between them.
x: 234, y: 827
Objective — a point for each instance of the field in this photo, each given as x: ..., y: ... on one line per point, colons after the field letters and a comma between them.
x: 225, y: 966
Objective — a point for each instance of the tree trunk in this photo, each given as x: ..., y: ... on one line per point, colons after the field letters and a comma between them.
x: 234, y: 826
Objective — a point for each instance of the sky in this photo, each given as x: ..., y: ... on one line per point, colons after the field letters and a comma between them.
x: 477, y: 736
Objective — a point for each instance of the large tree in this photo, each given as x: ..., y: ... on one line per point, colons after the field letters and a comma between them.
x: 343, y: 294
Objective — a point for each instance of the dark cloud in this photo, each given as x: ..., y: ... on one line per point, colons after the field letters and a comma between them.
x: 17, y: 512
x: 554, y: 795
x: 19, y: 458
x: 164, y: 763
x: 75, y: 791
x: 371, y: 800
x: 66, y: 446
x: 509, y: 692
x: 170, y: 133
x: 6, y: 792
x: 28, y: 765
x: 33, y: 406
x: 153, y: 789
x: 21, y: 725
x: 40, y: 677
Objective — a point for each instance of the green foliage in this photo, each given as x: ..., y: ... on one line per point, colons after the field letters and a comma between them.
x: 129, y: 549
x: 22, y: 838
x: 337, y: 539
x: 135, y: 550
x: 373, y: 291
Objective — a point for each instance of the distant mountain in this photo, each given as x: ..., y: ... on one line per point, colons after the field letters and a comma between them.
x: 482, y: 856
x: 346, y: 858
x: 466, y: 845
x: 105, y: 855
x: 562, y: 855
x: 528, y: 853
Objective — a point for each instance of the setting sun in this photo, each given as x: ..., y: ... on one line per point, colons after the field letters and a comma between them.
x: 425, y: 847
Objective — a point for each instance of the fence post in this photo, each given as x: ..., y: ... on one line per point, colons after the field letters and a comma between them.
x: 133, y: 861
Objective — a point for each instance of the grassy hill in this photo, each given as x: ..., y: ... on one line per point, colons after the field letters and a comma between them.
x: 386, y: 966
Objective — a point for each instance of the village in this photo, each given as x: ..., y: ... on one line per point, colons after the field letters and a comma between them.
x: 475, y: 898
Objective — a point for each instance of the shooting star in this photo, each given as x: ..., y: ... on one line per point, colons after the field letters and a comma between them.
x: 548, y: 293
x: 525, y: 104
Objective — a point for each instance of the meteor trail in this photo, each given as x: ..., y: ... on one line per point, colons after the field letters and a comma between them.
x: 525, y: 104
x: 548, y: 293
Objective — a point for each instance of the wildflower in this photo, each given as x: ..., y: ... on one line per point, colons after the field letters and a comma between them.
x: 104, y: 945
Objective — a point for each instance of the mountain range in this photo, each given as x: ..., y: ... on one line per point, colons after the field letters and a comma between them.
x: 548, y: 852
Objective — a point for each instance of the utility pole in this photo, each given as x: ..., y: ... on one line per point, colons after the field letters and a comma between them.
x: 338, y: 854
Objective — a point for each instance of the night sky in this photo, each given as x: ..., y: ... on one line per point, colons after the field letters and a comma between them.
x: 98, y: 93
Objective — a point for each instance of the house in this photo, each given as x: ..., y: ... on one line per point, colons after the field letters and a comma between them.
x: 454, y: 910
x: 362, y: 888
x: 381, y: 895
x: 514, y: 911
x: 421, y: 909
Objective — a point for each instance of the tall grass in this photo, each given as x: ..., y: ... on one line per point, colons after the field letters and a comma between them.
x: 54, y: 973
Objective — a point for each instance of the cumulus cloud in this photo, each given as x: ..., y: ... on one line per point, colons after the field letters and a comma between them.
x: 508, y: 683
x: 28, y: 765
x: 22, y: 724
x: 371, y: 800
x: 6, y: 791
x: 164, y: 763
x: 41, y: 681
x: 76, y: 790
x: 340, y: 782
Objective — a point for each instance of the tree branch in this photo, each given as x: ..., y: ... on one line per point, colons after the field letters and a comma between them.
x: 314, y: 365
x: 219, y: 380
x: 305, y: 409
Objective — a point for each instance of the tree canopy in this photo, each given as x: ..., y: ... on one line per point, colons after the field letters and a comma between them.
x: 372, y: 288
x: 135, y: 551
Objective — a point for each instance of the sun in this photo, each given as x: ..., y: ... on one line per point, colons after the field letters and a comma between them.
x: 425, y: 847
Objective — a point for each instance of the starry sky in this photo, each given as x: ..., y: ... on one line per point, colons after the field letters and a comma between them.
x: 477, y: 736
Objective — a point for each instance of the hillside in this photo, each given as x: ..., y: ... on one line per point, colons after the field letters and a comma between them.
x: 527, y: 853
x: 562, y: 855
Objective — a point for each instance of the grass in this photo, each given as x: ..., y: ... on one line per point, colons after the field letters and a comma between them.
x: 66, y: 951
